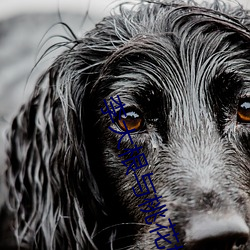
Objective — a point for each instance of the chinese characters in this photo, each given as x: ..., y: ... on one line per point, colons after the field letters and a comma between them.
x: 136, y: 160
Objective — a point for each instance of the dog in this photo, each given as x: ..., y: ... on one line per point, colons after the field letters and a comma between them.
x: 137, y: 136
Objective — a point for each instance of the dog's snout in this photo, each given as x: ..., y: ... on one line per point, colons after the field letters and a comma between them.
x: 212, y: 232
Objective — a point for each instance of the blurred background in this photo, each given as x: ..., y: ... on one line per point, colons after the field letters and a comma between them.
x: 25, y: 29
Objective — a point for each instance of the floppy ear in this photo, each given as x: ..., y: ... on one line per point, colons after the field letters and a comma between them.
x: 53, y: 196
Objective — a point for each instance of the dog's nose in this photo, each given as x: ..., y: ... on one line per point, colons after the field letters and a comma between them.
x: 217, y: 232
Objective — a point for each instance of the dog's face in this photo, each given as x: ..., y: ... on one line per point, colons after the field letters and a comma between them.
x: 183, y: 74
x: 185, y: 83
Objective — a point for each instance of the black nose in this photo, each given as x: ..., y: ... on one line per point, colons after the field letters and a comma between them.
x: 217, y: 232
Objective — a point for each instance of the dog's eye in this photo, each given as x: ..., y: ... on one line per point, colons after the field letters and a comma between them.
x: 243, y: 113
x: 133, y: 120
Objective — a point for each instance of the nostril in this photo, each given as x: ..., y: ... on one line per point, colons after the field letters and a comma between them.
x: 223, y: 242
x: 217, y: 232
x: 240, y: 242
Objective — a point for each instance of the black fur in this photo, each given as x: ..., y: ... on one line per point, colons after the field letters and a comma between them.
x: 185, y: 69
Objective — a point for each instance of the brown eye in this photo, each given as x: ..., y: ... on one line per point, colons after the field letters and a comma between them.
x: 243, y: 113
x: 133, y: 121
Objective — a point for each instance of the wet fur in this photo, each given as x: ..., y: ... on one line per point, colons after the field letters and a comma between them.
x: 185, y: 68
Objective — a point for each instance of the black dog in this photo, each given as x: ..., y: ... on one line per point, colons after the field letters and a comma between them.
x: 178, y: 78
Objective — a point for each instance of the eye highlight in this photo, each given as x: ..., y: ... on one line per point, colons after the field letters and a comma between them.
x: 133, y: 120
x: 243, y: 112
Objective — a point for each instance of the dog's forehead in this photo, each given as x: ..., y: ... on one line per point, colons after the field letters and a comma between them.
x: 187, y: 67
x: 186, y: 54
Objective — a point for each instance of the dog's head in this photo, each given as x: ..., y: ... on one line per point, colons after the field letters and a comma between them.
x: 183, y: 73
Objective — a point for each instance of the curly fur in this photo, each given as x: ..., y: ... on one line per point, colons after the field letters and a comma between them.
x: 184, y: 66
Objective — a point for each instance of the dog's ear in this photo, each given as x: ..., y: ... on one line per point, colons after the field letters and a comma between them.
x: 52, y: 191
